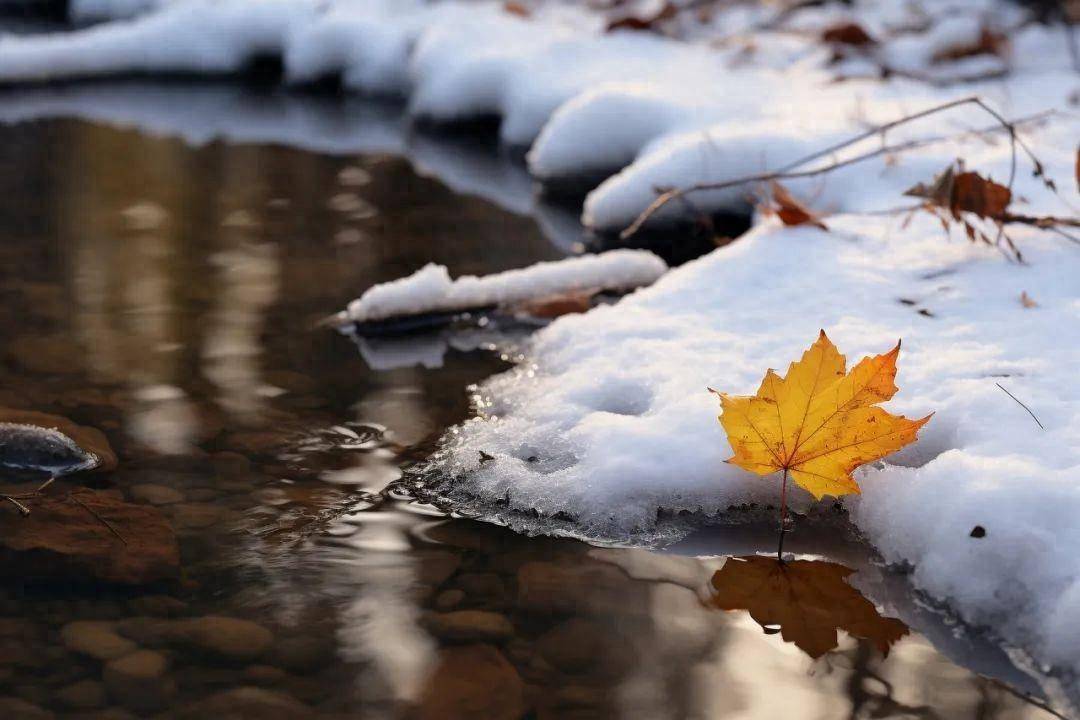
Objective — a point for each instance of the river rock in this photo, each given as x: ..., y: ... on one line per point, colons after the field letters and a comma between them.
x: 222, y: 637
x: 24, y: 451
x: 97, y: 639
x: 449, y: 599
x: 139, y: 681
x: 16, y: 709
x: 83, y: 695
x: 470, y: 625
x: 473, y: 681
x: 246, y: 703
x: 156, y: 494
x: 89, y: 536
x: 578, y: 588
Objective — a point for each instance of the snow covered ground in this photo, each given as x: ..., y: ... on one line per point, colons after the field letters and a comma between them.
x: 608, y: 420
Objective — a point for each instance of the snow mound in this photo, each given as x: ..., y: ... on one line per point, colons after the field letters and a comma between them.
x: 431, y: 290
x: 607, y: 422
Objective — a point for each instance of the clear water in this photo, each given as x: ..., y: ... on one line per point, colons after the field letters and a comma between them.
x: 164, y: 283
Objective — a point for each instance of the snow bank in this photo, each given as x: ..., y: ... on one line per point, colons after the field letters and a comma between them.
x: 608, y: 419
x: 431, y: 290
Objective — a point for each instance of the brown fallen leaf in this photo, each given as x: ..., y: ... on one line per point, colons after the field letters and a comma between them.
x: 643, y: 22
x: 516, y: 8
x: 960, y: 196
x: 809, y: 599
x: 939, y: 192
x: 554, y: 306
x: 978, y: 195
x: 989, y: 42
x: 847, y: 33
x: 1026, y: 300
x: 791, y: 211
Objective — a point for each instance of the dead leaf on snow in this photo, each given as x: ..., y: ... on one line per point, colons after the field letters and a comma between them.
x: 978, y: 195
x: 554, y: 306
x: 650, y: 22
x: 791, y: 211
x: 847, y: 33
x: 1026, y: 300
x: 989, y: 42
x: 516, y: 8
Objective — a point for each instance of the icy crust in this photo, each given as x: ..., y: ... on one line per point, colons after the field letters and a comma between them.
x: 431, y: 289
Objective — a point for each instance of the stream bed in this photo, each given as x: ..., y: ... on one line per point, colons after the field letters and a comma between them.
x: 168, y: 254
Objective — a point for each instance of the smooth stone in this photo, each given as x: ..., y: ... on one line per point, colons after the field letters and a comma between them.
x: 139, y: 681
x: 65, y: 539
x: 572, y: 588
x: 246, y: 703
x: 224, y: 637
x: 472, y: 681
x: 470, y: 625
x: 97, y: 639
x: 83, y: 695
x: 156, y: 494
x: 449, y: 599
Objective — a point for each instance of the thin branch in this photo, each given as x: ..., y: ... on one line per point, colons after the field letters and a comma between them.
x: 23, y: 510
x: 100, y: 519
x: 1020, y: 404
x: 788, y: 171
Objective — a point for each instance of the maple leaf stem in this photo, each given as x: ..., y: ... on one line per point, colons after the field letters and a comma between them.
x: 783, y: 517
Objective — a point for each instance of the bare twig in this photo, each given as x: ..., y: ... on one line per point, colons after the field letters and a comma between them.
x: 100, y: 519
x: 14, y: 499
x: 23, y: 510
x: 788, y: 171
x: 1020, y: 404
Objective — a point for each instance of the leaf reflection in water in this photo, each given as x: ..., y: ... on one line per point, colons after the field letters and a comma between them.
x: 808, y: 600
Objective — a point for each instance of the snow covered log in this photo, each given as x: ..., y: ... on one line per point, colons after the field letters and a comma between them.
x: 431, y: 290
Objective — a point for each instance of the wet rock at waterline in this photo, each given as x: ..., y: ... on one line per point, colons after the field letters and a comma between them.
x: 87, y: 536
x: 222, y: 638
x: 50, y: 443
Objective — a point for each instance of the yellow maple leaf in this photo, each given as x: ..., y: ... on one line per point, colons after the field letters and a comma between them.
x: 819, y: 422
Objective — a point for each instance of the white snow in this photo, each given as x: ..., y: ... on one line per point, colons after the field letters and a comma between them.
x: 431, y: 290
x: 613, y: 410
